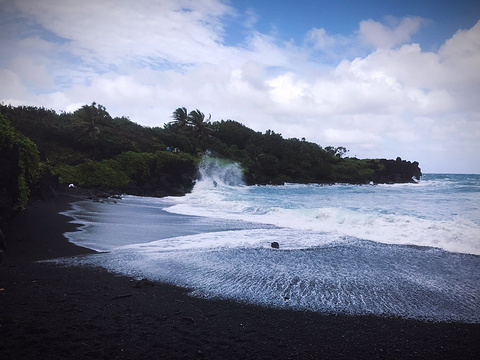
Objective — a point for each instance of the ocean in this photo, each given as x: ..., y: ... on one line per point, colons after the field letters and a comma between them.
x: 403, y: 250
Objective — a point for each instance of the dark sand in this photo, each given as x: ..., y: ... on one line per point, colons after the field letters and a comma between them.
x: 52, y: 312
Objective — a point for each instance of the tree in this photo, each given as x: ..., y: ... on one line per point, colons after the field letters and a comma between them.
x: 232, y: 132
x: 91, y: 116
x: 201, y: 127
x: 339, y: 152
x: 181, y: 119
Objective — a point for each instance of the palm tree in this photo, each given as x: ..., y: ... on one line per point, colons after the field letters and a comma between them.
x: 91, y: 116
x: 181, y: 119
x: 91, y: 128
x: 201, y: 126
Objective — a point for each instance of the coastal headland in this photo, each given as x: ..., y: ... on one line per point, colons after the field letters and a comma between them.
x: 41, y: 150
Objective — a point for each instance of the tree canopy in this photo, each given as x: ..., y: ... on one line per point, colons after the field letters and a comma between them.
x: 90, y: 138
x: 20, y: 176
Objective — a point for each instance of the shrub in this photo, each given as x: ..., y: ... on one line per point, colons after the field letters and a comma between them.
x: 28, y: 160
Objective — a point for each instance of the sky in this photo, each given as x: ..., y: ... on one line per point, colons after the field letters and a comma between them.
x: 382, y: 78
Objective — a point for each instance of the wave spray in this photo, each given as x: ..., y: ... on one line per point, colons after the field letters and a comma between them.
x: 220, y: 172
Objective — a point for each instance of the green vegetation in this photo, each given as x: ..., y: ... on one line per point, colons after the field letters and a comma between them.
x: 90, y: 148
x: 122, y: 171
x: 26, y: 171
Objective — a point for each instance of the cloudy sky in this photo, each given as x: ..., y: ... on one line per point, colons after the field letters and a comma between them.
x: 382, y: 78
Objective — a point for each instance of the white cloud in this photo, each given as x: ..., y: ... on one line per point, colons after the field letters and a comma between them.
x: 12, y: 91
x: 143, y: 61
x: 286, y: 91
x: 29, y: 71
x: 181, y: 32
x: 384, y: 36
x: 348, y: 137
x: 320, y: 39
x: 461, y: 54
x: 251, y: 18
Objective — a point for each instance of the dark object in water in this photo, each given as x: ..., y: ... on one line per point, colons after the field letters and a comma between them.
x: 143, y: 283
x: 275, y: 245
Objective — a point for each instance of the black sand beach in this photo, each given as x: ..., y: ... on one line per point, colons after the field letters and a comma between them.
x: 47, y: 311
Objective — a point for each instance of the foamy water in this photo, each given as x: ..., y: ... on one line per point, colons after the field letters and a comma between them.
x: 407, y: 250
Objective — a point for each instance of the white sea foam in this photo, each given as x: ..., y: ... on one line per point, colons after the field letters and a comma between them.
x: 382, y: 214
x: 241, y: 239
x: 338, y: 275
x: 343, y: 248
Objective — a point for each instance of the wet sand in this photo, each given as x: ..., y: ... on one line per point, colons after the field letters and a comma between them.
x: 54, y: 312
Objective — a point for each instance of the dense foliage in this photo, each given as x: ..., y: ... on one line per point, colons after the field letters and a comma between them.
x: 89, y: 147
x: 18, y: 175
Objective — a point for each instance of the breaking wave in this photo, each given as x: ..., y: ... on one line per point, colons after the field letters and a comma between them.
x: 403, y: 250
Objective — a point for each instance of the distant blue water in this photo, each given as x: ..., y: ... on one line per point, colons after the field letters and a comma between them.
x: 408, y: 250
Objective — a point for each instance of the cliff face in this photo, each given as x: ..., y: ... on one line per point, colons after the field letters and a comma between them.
x: 9, y: 192
x: 174, y: 179
x: 397, y: 171
x: 351, y: 171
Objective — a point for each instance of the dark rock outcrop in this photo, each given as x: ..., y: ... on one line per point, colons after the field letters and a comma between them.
x: 173, y: 180
x: 9, y: 192
x: 47, y: 187
x: 397, y: 171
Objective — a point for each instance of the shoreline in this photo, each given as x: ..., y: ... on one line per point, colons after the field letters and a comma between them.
x: 58, y: 312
